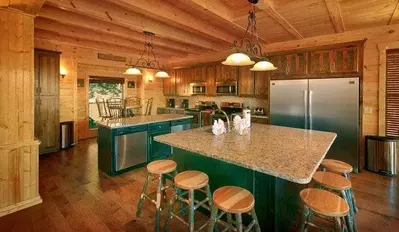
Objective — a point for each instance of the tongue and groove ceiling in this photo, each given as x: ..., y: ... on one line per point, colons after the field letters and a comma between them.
x: 192, y: 28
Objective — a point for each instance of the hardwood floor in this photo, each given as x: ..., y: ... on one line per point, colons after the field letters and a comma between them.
x: 76, y: 197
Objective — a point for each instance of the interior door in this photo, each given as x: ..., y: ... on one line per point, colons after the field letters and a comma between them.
x: 288, y: 103
x: 334, y: 107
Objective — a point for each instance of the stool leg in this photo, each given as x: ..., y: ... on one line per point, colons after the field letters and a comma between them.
x: 239, y: 222
x: 212, y: 221
x: 158, y: 203
x: 349, y: 218
x: 209, y: 195
x: 254, y: 217
x: 191, y: 214
x: 338, y: 224
x: 171, y: 208
x: 304, y: 219
x: 230, y: 222
x: 143, y: 192
x: 346, y: 175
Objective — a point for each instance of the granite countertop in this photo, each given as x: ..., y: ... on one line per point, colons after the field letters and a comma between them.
x: 141, y: 120
x: 252, y: 115
x: 288, y: 153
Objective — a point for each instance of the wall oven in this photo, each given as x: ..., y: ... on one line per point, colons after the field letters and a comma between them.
x: 198, y: 88
x: 226, y: 88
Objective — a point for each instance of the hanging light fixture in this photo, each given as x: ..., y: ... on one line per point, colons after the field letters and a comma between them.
x: 147, y: 60
x: 246, y: 48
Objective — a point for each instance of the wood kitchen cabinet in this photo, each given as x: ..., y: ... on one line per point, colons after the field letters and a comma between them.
x: 340, y: 60
x: 169, y: 84
x: 289, y: 65
x: 210, y: 80
x: 262, y: 80
x: 183, y: 80
x: 226, y: 73
x: 246, y: 84
x: 199, y: 74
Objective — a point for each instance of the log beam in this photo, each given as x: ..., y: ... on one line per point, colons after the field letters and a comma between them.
x: 334, y: 9
x: 395, y: 15
x: 28, y: 6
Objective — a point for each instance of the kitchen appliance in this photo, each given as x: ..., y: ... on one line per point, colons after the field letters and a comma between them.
x: 198, y: 88
x: 200, y: 106
x: 381, y: 154
x: 228, y: 107
x: 131, y: 148
x: 259, y: 111
x: 171, y: 103
x: 180, y: 125
x: 226, y: 88
x: 321, y: 104
x: 184, y: 104
x: 66, y: 135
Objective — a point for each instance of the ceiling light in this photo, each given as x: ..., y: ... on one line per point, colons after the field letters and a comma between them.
x: 263, y: 66
x: 147, y: 59
x: 247, y: 47
x: 238, y: 59
x: 162, y: 74
x: 133, y: 71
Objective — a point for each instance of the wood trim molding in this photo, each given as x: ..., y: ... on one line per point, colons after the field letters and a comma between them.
x: 383, y: 47
x: 334, y: 10
x: 21, y: 144
x: 20, y: 206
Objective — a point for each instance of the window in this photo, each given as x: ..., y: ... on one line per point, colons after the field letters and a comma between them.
x: 392, y: 93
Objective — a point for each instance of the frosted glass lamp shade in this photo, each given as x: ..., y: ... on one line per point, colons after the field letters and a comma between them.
x: 263, y: 66
x: 238, y: 59
x: 162, y: 74
x: 132, y: 71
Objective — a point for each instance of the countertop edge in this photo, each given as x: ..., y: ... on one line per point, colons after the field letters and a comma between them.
x: 144, y: 123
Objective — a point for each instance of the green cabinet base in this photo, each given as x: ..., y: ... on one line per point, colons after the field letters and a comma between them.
x: 276, y: 200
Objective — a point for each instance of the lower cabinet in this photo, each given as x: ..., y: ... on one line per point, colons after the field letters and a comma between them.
x: 158, y: 150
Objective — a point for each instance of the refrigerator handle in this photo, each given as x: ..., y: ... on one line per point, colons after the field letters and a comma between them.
x: 310, y: 110
x: 305, y: 101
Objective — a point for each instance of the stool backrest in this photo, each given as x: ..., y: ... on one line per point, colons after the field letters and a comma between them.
x: 149, y: 106
x: 115, y: 106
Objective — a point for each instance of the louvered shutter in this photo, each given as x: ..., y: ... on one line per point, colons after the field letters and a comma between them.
x: 392, y: 93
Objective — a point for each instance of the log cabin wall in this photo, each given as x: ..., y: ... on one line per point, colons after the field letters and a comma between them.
x: 82, y: 62
x: 18, y: 147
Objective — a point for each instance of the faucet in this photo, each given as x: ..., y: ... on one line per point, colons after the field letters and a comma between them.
x: 228, y: 119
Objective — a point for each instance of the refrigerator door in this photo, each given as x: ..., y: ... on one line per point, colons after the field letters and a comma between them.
x: 334, y: 107
x: 288, y: 103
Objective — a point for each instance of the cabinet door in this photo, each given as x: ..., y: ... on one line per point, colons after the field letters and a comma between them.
x: 49, y: 74
x: 345, y: 60
x: 158, y: 150
x: 47, y: 123
x: 169, y: 84
x: 226, y: 73
x: 182, y: 82
x: 246, y: 82
x: 321, y: 61
x: 296, y: 64
x: 262, y: 84
x: 281, y: 64
x: 210, y: 80
x: 200, y: 74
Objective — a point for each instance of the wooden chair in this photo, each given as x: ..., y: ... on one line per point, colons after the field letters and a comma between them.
x: 233, y: 200
x: 149, y: 106
x: 160, y: 169
x: 338, y: 184
x: 188, y: 182
x: 115, y: 107
x: 343, y: 169
x: 132, y: 105
x: 103, y: 110
x: 325, y: 204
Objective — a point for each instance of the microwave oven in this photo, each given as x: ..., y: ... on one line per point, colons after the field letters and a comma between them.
x: 226, y: 88
x: 198, y: 88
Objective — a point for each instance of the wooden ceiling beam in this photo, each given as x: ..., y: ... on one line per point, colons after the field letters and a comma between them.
x: 334, y: 9
x: 395, y: 15
x: 267, y: 6
x: 85, y: 43
x: 27, y: 6
x: 74, y: 19
x: 84, y: 33
x: 158, y: 9
x: 117, y: 15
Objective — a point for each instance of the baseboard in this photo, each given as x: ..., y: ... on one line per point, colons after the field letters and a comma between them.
x: 20, y: 206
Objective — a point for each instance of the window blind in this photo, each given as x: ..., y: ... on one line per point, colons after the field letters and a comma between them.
x: 392, y: 93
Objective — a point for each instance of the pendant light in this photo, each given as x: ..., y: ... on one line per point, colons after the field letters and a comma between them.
x: 246, y: 48
x: 147, y: 60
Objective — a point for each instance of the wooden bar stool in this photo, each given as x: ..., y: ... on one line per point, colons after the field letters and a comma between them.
x: 325, y: 204
x: 340, y: 185
x: 159, y: 169
x: 188, y: 182
x: 342, y: 168
x: 233, y: 200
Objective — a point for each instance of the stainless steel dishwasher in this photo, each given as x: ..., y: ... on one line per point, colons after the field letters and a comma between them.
x: 131, y: 148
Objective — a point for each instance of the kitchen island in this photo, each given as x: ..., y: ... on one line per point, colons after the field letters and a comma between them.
x: 272, y: 162
x: 128, y: 143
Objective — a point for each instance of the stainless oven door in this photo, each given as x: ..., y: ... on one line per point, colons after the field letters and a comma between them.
x: 226, y: 88
x: 198, y: 88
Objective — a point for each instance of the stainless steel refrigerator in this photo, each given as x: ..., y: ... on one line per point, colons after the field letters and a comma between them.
x: 321, y: 104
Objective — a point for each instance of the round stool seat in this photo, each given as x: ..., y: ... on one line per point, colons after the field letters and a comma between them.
x: 324, y: 202
x: 332, y: 180
x: 161, y: 166
x: 232, y: 199
x: 336, y: 166
x: 191, y: 180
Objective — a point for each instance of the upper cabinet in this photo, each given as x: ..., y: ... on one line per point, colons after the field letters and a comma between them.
x: 226, y: 73
x: 262, y: 84
x: 169, y: 84
x: 210, y: 80
x: 290, y: 65
x: 199, y: 74
x: 246, y: 82
x: 183, y: 80
x: 340, y: 60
